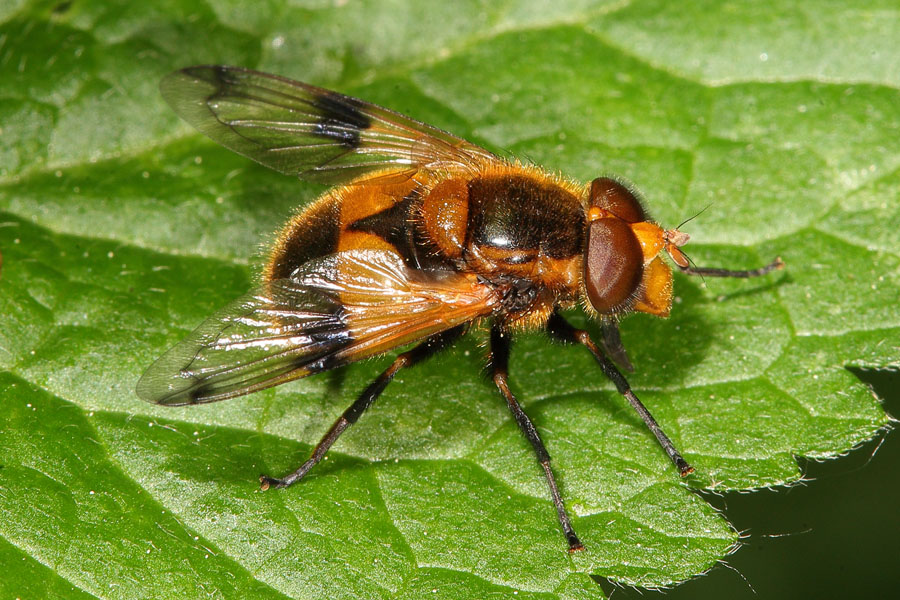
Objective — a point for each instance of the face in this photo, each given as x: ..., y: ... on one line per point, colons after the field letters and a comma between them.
x: 623, y: 269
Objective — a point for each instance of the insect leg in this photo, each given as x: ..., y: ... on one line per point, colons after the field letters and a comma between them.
x: 426, y: 349
x: 612, y: 344
x: 559, y: 328
x: 499, y: 362
x: 713, y: 272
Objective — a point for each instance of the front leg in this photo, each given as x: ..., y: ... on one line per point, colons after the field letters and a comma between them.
x: 559, y: 328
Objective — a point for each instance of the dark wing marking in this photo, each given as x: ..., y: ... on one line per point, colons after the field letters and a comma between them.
x: 310, y: 132
x: 330, y: 312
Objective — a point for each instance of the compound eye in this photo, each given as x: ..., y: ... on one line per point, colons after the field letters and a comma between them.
x: 613, y: 196
x: 613, y: 266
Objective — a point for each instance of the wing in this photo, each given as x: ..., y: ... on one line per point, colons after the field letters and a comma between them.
x: 310, y: 132
x: 331, y: 312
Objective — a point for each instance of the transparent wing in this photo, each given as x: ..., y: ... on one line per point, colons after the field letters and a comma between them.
x: 331, y: 312
x: 310, y: 132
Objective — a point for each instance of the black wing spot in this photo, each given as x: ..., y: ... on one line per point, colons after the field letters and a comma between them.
x: 327, y: 363
x: 196, y: 395
x: 220, y: 76
x: 329, y: 338
x: 341, y: 119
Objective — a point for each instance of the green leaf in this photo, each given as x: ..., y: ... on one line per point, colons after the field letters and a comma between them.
x: 121, y: 229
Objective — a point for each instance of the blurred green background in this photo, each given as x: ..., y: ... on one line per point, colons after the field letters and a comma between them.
x: 835, y: 536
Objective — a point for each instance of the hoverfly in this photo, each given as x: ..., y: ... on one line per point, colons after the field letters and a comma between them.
x: 425, y: 236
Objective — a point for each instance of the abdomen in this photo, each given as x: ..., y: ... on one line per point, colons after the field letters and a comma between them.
x: 357, y: 216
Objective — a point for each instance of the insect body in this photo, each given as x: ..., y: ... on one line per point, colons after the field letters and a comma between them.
x: 426, y: 235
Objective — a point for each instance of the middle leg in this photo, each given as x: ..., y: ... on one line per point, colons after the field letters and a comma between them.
x: 499, y: 366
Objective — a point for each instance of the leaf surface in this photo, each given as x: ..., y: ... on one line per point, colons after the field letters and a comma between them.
x: 121, y: 229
